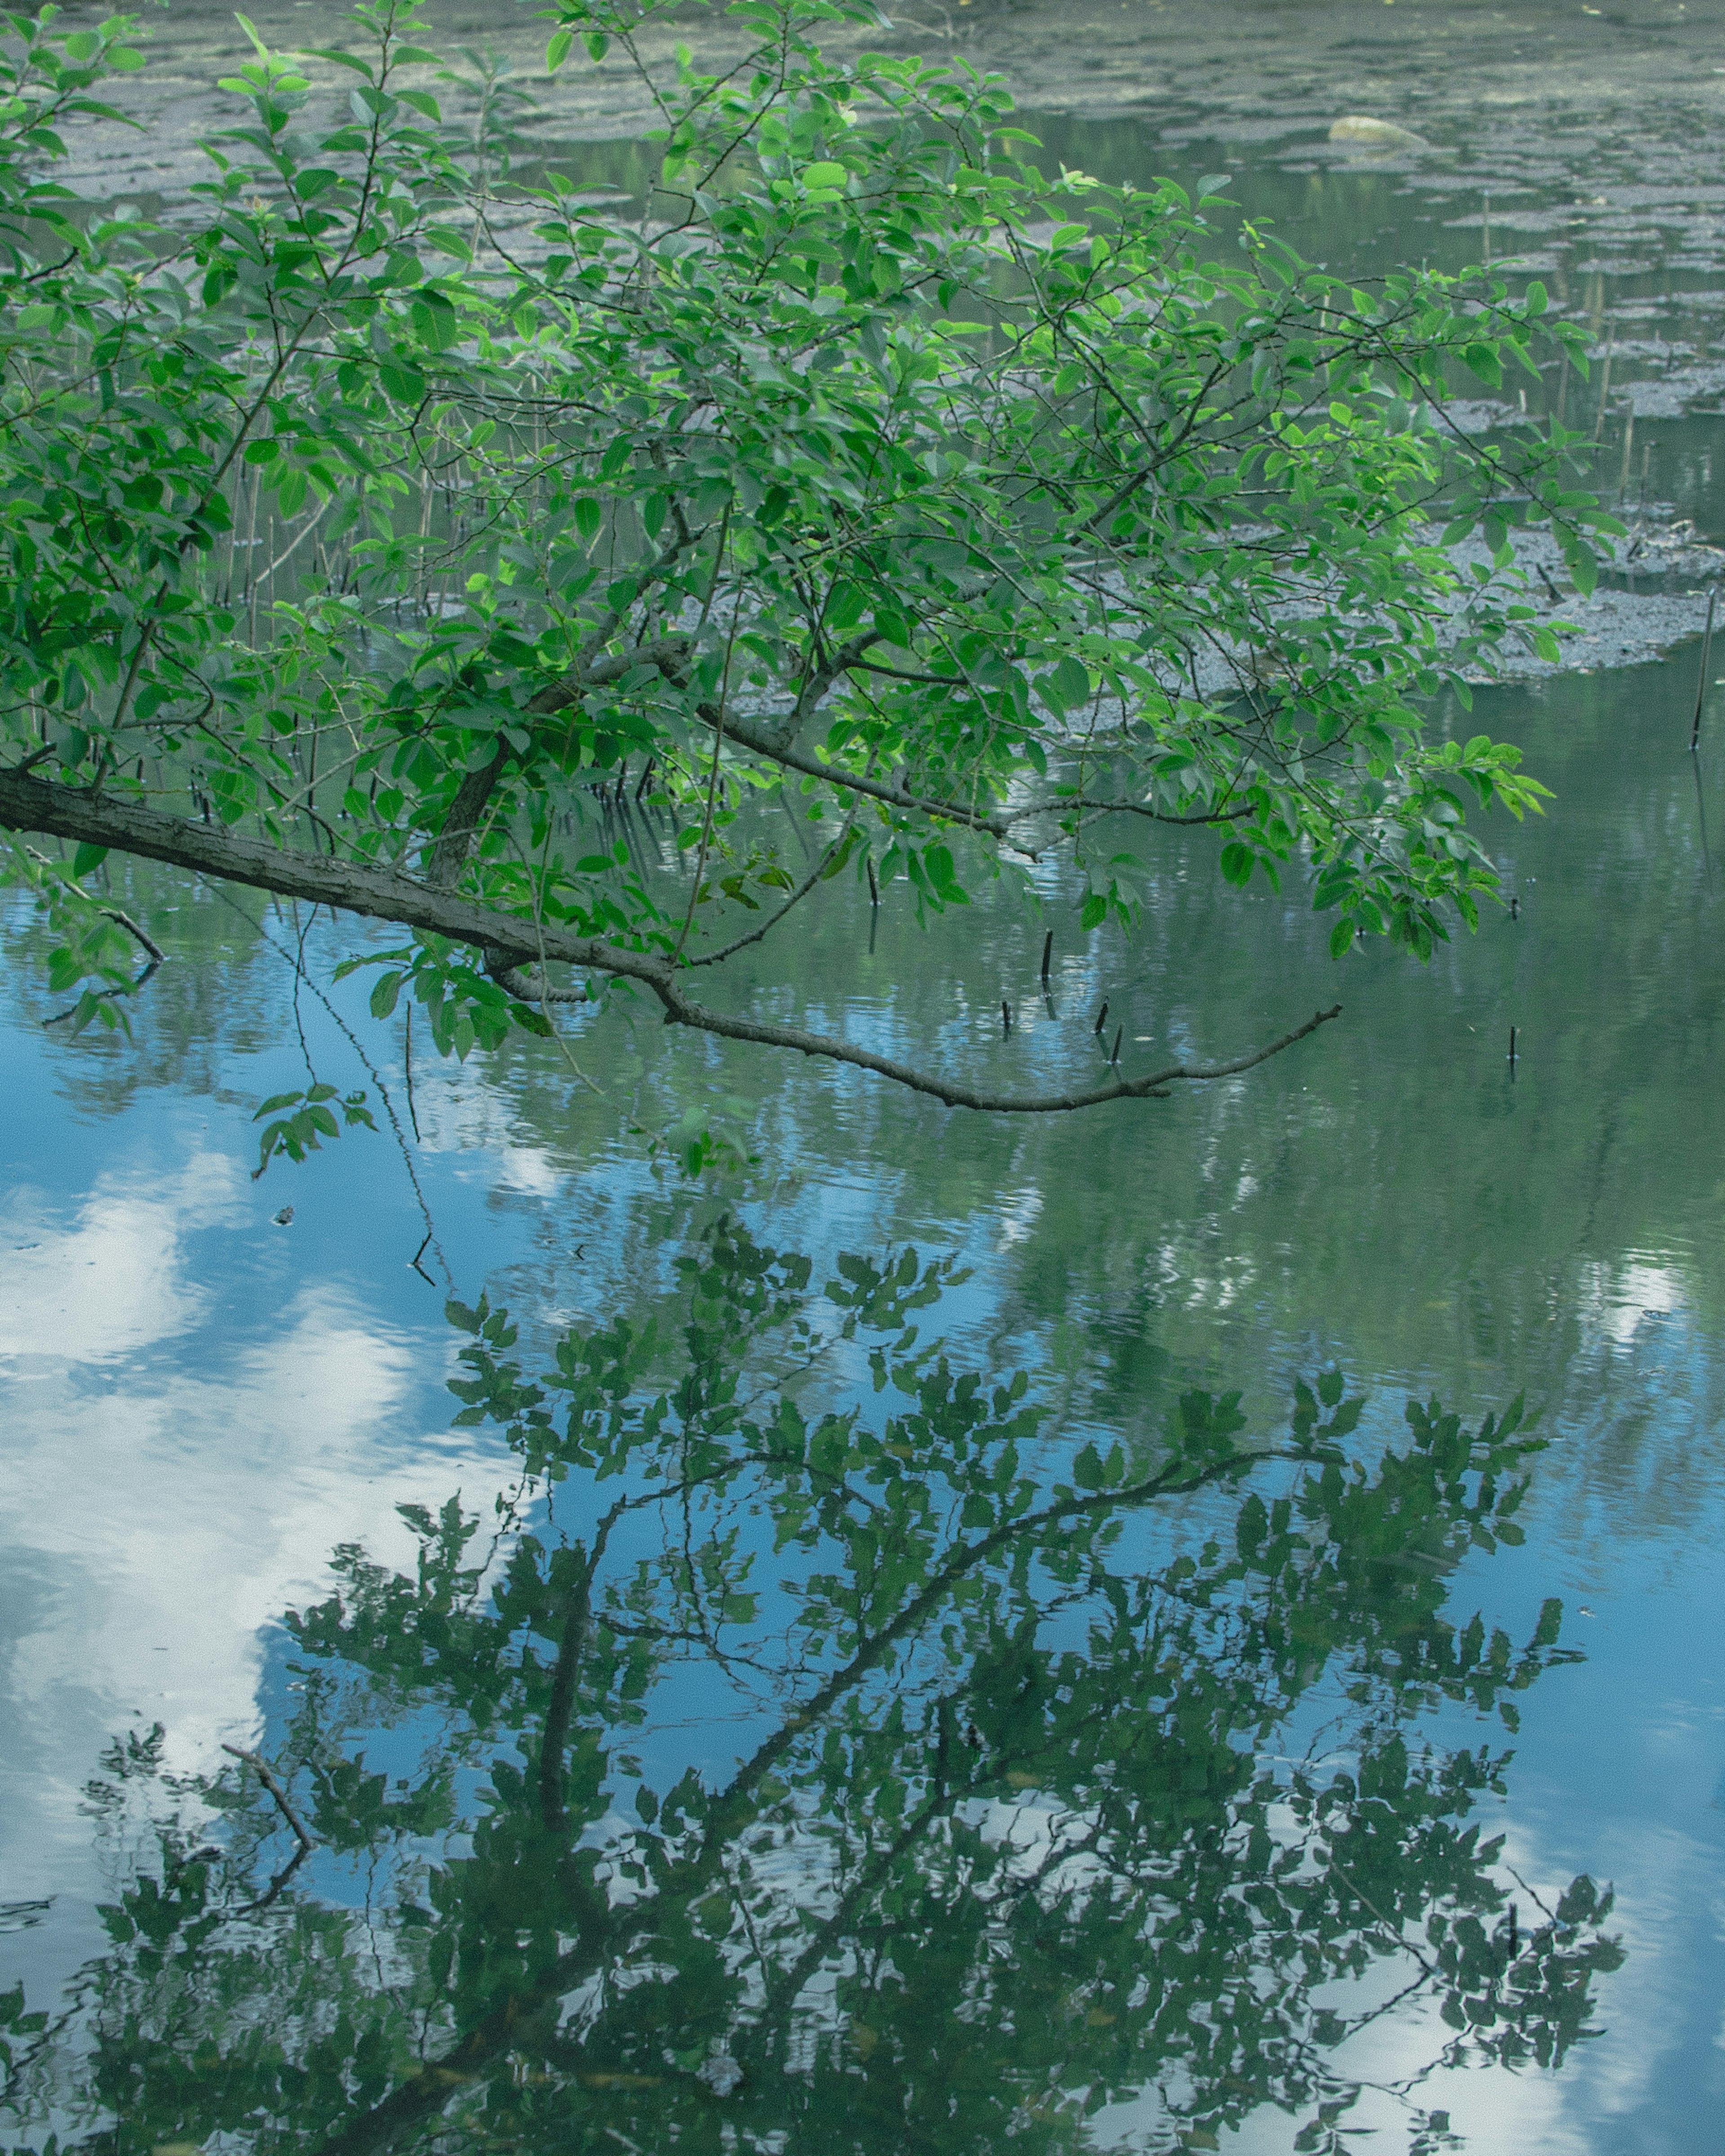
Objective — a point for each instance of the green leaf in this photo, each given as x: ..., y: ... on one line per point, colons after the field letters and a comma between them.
x: 435, y: 320
x: 404, y: 385
x: 1068, y: 685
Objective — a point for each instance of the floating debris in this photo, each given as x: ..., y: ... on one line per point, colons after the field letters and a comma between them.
x: 1377, y: 134
x: 282, y: 1219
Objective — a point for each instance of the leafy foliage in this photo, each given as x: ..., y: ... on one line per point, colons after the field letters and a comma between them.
x: 871, y: 483
x: 1019, y: 1812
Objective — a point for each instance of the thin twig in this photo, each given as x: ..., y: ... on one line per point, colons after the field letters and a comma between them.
x: 1397, y: 1931
x: 301, y: 974
x: 102, y: 996
x: 157, y: 954
x: 266, y: 1775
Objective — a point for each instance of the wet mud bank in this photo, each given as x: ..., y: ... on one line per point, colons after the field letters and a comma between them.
x: 1462, y: 75
x: 1583, y: 147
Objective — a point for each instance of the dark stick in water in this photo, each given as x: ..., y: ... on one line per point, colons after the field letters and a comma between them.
x: 1701, y: 811
x: 407, y: 1063
x: 1701, y: 686
x: 1047, y: 955
x: 1604, y: 385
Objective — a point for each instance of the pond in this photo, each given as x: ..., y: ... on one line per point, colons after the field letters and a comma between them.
x: 949, y: 1758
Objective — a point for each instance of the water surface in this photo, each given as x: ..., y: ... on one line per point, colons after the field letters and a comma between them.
x: 1143, y: 1829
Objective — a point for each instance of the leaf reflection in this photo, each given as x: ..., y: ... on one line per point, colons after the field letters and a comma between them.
x: 882, y: 1776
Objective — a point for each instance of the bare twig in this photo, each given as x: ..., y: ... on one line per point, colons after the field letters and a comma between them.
x: 102, y: 996
x: 680, y: 1010
x: 298, y: 963
x: 158, y: 955
x: 266, y: 1774
x: 533, y: 988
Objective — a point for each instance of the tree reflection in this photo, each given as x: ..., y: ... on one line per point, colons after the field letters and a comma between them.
x: 1010, y: 1778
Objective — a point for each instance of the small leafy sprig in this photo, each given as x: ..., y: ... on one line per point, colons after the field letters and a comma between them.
x: 311, y: 1120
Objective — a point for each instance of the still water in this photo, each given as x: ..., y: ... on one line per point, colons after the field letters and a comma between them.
x: 755, y: 1726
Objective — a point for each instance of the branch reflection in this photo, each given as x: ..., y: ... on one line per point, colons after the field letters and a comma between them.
x: 817, y: 1751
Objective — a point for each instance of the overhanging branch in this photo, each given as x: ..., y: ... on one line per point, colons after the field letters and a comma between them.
x: 510, y: 942
x: 680, y: 1010
x: 775, y: 740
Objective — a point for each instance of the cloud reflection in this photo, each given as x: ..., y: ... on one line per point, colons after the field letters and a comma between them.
x: 167, y: 1488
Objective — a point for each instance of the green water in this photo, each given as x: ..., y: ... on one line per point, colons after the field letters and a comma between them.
x: 938, y: 1761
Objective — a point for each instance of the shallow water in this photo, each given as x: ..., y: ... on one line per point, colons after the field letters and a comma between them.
x: 983, y: 1892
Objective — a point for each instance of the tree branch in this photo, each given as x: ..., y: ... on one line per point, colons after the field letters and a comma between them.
x: 1122, y: 809
x: 777, y: 746
x: 265, y: 1774
x: 473, y: 794
x: 157, y: 955
x: 106, y: 820
x: 682, y: 1010
x: 529, y: 987
x: 463, y: 820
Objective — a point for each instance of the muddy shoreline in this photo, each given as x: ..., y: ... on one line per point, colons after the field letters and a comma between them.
x: 1586, y: 147
x: 1252, y: 72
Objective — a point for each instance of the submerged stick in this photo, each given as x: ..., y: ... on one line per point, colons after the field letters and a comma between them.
x: 408, y: 1062
x: 1101, y: 1018
x: 1047, y: 955
x: 1700, y: 812
x: 1701, y: 686
x: 1604, y: 385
